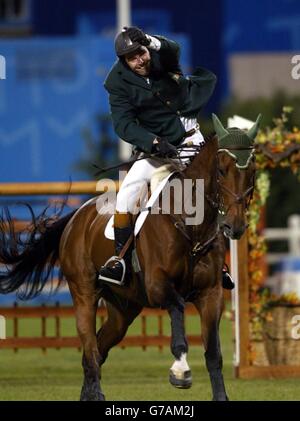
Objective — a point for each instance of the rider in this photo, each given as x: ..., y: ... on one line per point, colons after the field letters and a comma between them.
x: 152, y: 107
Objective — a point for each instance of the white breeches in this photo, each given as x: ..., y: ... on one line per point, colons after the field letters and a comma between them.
x: 134, y: 185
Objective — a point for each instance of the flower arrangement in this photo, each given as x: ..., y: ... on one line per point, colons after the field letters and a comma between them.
x: 278, y: 146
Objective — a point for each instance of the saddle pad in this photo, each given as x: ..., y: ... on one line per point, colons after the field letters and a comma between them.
x: 109, y: 229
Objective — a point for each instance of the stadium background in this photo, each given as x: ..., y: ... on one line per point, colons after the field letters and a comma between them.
x: 59, y: 52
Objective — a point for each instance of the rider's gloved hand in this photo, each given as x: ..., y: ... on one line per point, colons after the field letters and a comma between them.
x: 164, y: 148
x: 137, y: 35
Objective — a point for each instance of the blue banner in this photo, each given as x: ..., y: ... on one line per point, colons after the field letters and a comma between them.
x: 53, y: 91
x: 265, y: 26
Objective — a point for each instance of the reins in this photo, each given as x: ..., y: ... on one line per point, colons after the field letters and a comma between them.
x: 143, y: 155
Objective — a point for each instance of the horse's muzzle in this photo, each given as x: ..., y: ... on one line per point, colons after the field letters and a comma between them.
x: 234, y: 232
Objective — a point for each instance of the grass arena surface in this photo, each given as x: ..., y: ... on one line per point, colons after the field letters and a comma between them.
x: 130, y: 374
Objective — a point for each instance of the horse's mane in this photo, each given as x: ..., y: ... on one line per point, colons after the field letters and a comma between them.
x: 204, y: 154
x: 209, y: 137
x: 207, y: 142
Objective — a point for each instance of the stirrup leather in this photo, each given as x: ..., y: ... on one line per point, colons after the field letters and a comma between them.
x: 114, y: 281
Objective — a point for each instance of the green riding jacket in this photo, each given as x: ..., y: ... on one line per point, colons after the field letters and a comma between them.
x: 142, y: 111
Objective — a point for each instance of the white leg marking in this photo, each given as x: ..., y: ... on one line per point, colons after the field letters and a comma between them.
x: 180, y: 366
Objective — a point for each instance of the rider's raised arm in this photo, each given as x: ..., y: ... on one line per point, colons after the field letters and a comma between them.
x: 126, y: 124
x: 169, y: 52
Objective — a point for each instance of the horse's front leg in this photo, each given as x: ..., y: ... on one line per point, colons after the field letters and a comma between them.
x: 180, y: 373
x: 210, y: 308
x: 161, y: 293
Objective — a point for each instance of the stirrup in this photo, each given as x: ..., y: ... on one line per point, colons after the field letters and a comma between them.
x: 227, y: 281
x: 110, y: 280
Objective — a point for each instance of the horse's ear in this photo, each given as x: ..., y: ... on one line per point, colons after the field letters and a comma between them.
x: 252, y: 133
x: 219, y: 128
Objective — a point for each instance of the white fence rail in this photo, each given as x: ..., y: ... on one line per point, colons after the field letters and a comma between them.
x: 291, y: 234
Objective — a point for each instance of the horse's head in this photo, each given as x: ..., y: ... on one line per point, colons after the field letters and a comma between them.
x: 236, y: 176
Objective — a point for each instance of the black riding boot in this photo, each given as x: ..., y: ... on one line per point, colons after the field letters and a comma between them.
x: 227, y: 281
x: 114, y: 269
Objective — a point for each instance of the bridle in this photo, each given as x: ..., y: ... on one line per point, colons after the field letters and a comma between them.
x: 243, y: 198
x: 199, y: 248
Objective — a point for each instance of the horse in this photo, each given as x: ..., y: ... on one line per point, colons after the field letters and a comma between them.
x: 179, y: 262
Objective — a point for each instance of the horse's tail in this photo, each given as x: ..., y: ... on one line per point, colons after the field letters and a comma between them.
x: 29, y: 261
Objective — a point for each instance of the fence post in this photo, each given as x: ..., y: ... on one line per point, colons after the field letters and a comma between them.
x: 44, y: 328
x: 57, y: 325
x: 160, y: 330
x: 2, y: 327
x: 144, y: 330
x: 243, y: 300
x: 16, y: 324
x: 294, y: 234
x: 2, y: 67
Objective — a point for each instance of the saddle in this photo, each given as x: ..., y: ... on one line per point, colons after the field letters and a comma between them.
x: 158, y: 181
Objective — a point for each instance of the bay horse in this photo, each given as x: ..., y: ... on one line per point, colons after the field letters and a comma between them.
x: 180, y: 263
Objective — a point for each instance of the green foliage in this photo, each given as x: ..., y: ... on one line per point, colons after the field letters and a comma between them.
x: 284, y: 195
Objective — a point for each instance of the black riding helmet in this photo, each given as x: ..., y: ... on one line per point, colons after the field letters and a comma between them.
x: 124, y: 45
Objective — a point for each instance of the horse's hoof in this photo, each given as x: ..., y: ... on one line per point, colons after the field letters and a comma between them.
x: 181, y: 380
x: 91, y: 395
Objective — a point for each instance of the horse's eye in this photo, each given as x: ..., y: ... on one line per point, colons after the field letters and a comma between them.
x: 222, y: 172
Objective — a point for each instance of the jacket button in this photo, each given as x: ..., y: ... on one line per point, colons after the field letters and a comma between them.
x: 168, y: 102
x: 178, y: 112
